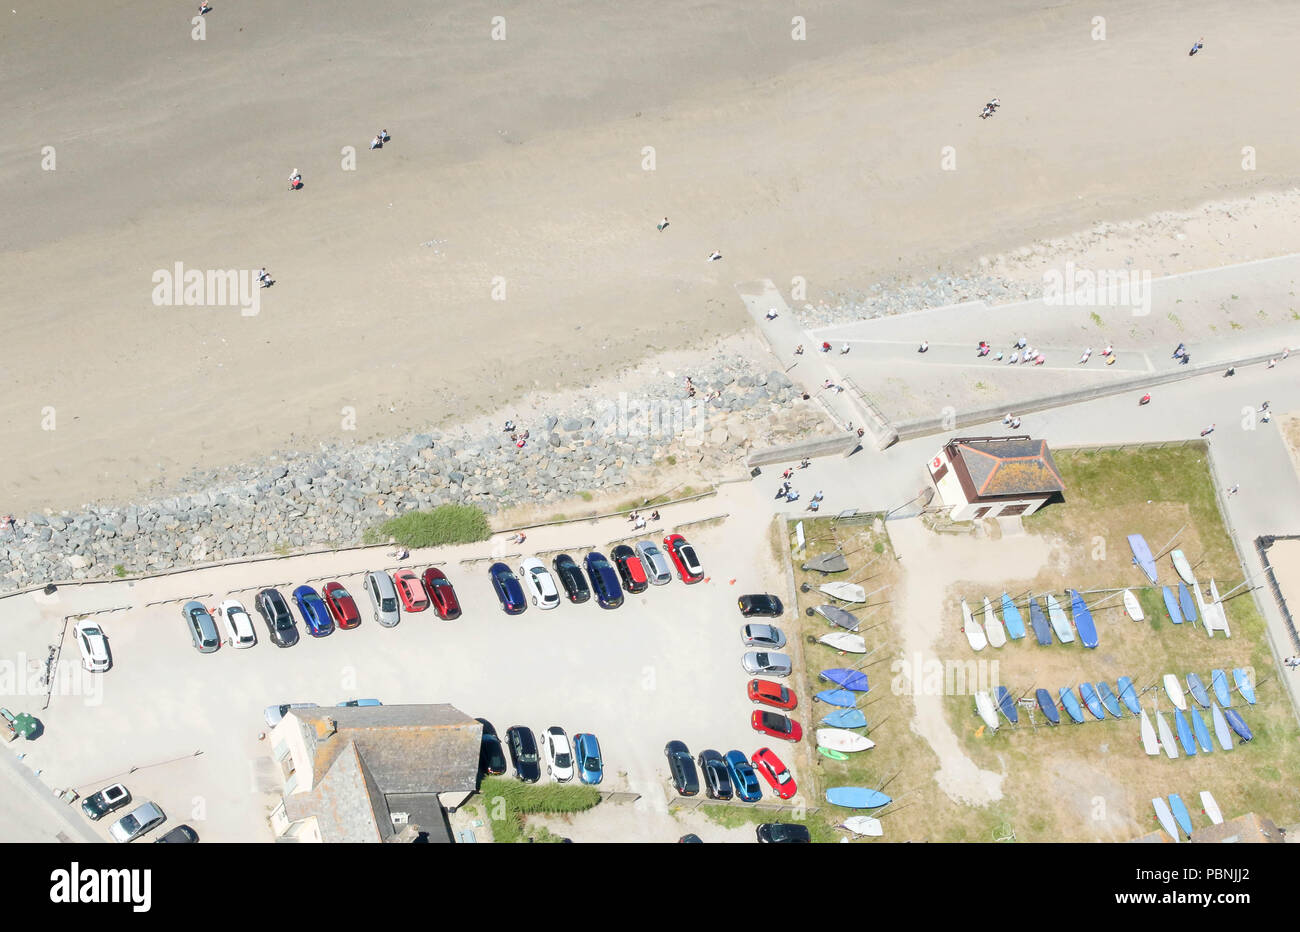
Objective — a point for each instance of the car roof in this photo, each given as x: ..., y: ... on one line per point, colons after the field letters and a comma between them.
x: 532, y: 563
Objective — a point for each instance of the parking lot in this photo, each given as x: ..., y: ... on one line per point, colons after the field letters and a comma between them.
x: 182, y: 728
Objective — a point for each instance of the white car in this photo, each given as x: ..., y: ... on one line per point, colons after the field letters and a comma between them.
x: 559, y: 755
x: 657, y: 568
x: 138, y: 821
x: 93, y: 646
x: 540, y: 583
x: 239, y: 627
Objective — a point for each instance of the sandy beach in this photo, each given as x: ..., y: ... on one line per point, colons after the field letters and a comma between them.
x: 504, y: 241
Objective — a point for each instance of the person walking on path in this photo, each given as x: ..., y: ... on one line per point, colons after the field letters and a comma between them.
x: 662, y: 225
x: 1234, y: 490
x: 925, y: 345
x: 715, y: 256
x: 1200, y: 44
x: 1145, y: 399
x: 1292, y: 662
x: 844, y: 349
x: 295, y: 180
x: 376, y: 143
x: 798, y: 350
x: 1209, y: 430
x: 1087, y: 354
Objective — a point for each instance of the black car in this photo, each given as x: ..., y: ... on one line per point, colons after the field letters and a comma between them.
x: 109, y: 799
x: 571, y: 579
x: 633, y: 578
x: 523, y: 753
x: 685, y: 780
x: 604, y: 581
x: 717, y: 782
x: 690, y: 839
x: 765, y: 605
x: 180, y: 835
x: 491, y: 759
x: 783, y: 833
x: 275, y: 612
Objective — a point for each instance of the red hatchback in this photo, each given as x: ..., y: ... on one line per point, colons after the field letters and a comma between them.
x: 441, y: 594
x: 776, y: 725
x: 630, y: 570
x: 342, y: 609
x: 683, y: 556
x: 773, y: 694
x: 411, y: 591
x: 774, y: 772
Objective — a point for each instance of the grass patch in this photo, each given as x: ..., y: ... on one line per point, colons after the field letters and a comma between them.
x: 1096, y: 319
x: 670, y: 459
x: 446, y: 524
x: 509, y: 803
x: 119, y: 571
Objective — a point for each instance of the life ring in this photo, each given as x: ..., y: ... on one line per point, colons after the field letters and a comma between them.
x: 936, y: 463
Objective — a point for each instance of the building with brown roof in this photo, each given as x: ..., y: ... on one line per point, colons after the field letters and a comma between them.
x: 989, y: 477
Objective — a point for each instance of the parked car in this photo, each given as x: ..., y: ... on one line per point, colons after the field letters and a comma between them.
x: 783, y: 833
x: 541, y: 586
x: 139, y: 821
x: 491, y: 759
x: 717, y: 782
x: 683, y: 556
x: 203, y: 630
x: 586, y: 754
x: 570, y: 576
x: 559, y: 755
x: 357, y: 703
x: 682, y: 768
x: 776, y: 725
x: 768, y: 636
x: 239, y: 627
x: 773, y: 694
x: 275, y: 612
x: 109, y: 799
x: 410, y: 590
x: 774, y: 772
x: 181, y: 834
x: 764, y: 605
x: 760, y: 661
x: 604, y: 581
x: 630, y: 571
x: 275, y: 714
x: 93, y: 646
x: 441, y: 594
x: 523, y: 753
x: 690, y: 838
x: 509, y: 592
x: 657, y: 568
x: 744, y: 780
x: 383, y: 598
x: 343, y: 608
x: 314, y: 613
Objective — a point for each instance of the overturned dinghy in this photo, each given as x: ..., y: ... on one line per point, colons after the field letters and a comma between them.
x: 844, y: 591
x: 833, y: 562
x: 838, y: 616
x: 842, y: 640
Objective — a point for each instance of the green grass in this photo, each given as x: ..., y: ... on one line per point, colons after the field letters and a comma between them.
x: 671, y: 460
x: 119, y: 571
x: 1096, y: 318
x: 508, y: 802
x: 446, y: 524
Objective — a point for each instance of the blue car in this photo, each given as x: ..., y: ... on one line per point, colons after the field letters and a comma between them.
x: 604, y: 581
x: 314, y: 613
x: 586, y: 752
x: 743, y: 777
x: 509, y: 591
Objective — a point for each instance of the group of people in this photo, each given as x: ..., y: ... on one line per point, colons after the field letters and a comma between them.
x: 990, y: 108
x: 518, y: 437
x: 638, y: 519
x: 380, y: 138
x: 264, y: 278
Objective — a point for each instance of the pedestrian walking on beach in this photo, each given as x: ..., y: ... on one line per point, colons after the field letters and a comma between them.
x: 715, y: 256
x: 819, y: 496
x: 295, y: 180
x: 264, y: 278
x: 1145, y: 399
x: 1234, y: 490
x: 1179, y: 351
x: 826, y: 347
x: 662, y: 225
x: 771, y: 313
x: 1231, y: 371
x: 1209, y: 430
x: 1021, y: 343
x: 376, y: 143
x: 1087, y: 354
x: 383, y: 135
x: 844, y: 349
x: 925, y: 345
x: 204, y: 8
x: 1286, y: 352
x: 1015, y: 423
x: 1200, y: 44
x: 510, y: 425
x: 1292, y: 662
x: 1271, y: 364
x: 798, y: 350
x: 787, y: 474
x: 1006, y: 418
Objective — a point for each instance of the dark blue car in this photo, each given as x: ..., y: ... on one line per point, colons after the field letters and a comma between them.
x: 509, y: 591
x: 586, y: 754
x: 743, y: 778
x: 604, y: 581
x: 314, y: 613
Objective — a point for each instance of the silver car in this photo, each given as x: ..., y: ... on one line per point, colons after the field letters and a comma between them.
x: 761, y: 661
x: 763, y: 636
x: 383, y: 598
x: 657, y: 568
x: 203, y: 630
x: 138, y: 821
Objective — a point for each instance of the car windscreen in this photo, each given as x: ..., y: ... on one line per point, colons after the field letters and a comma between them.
x: 340, y: 594
x: 388, y: 605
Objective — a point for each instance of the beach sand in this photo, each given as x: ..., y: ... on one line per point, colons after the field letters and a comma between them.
x: 520, y: 161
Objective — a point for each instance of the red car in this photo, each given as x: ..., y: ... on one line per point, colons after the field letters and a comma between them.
x: 342, y: 609
x: 441, y: 594
x: 411, y: 591
x: 630, y: 570
x: 683, y: 556
x: 773, y: 694
x: 774, y: 772
x: 776, y: 725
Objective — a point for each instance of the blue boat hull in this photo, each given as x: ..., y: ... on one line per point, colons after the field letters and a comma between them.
x: 1083, y: 622
x: 1128, y: 694
x: 1181, y: 815
x: 1142, y: 555
x: 1071, y: 703
x: 1011, y: 618
x: 1092, y: 700
x: 1184, y: 733
x: 1007, y: 703
x: 839, y: 697
x: 846, y: 718
x: 1038, y: 620
x: 1171, y: 606
x: 1238, y: 724
x: 1197, y: 689
x: 855, y: 680
x: 1186, y: 602
x: 1048, y: 706
x: 856, y: 797
x: 1202, y: 731
x: 1109, y: 700
x: 1243, y: 685
x: 1222, y: 692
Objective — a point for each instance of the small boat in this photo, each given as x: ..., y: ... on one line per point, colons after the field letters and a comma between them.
x: 1168, y: 743
x: 846, y: 742
x: 1186, y: 602
x: 1038, y: 620
x: 1181, y: 815
x: 1109, y: 700
x: 1048, y: 706
x: 1211, y: 807
x: 1185, y: 736
x: 1197, y: 689
x: 1015, y: 625
x: 832, y: 753
x: 833, y: 562
x: 843, y: 641
x: 846, y: 718
x: 1238, y: 724
x: 1166, y: 817
x: 1083, y: 622
x: 1060, y: 623
x: 1007, y: 704
x: 1201, y: 730
x: 1219, y: 683
x: 1142, y: 555
x: 1175, y: 692
x: 1132, y: 606
x: 1221, y: 616
x: 984, y: 706
x: 1244, y: 686
x: 1071, y: 703
x: 844, y: 698
x: 1127, y: 694
x: 1171, y: 605
x: 974, y: 633
x: 844, y: 591
x: 1090, y: 699
x: 1182, y: 567
x: 855, y: 680
x: 864, y: 825
x: 997, y: 635
x: 1150, y: 744
x: 1221, y: 729
x: 838, y: 616
x: 856, y: 797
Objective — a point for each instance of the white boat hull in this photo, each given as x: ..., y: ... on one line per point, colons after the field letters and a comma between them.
x: 974, y: 633
x: 1168, y: 743
x: 845, y: 592
x: 1175, y: 692
x: 993, y: 629
x: 840, y: 739
x: 1166, y: 817
x: 842, y: 640
x: 1132, y: 606
x: 864, y: 825
x: 984, y: 706
x: 1211, y: 807
x: 1149, y: 742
